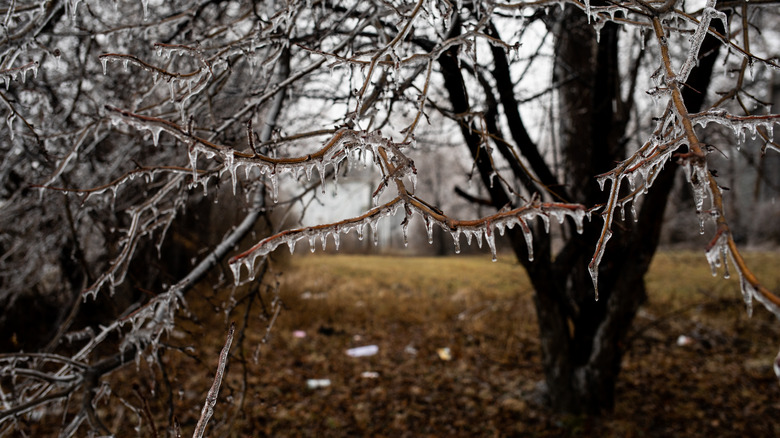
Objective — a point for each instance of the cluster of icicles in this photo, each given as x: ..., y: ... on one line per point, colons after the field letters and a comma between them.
x: 718, y: 255
x: 12, y: 74
x: 641, y: 169
x: 345, y: 144
x: 472, y: 230
x: 193, y: 82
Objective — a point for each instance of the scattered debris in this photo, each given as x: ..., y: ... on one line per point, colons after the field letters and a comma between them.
x: 684, y: 341
x: 410, y: 350
x: 444, y: 353
x: 317, y: 383
x: 369, y: 375
x: 300, y: 334
x: 367, y: 350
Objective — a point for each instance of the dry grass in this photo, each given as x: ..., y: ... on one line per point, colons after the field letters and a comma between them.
x: 719, y: 385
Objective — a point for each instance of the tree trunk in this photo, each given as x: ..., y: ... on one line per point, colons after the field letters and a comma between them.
x: 582, y: 340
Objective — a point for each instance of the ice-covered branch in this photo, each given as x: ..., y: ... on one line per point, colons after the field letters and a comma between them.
x: 211, y: 398
x: 11, y: 74
x: 473, y: 229
x: 674, y: 131
x: 344, y: 144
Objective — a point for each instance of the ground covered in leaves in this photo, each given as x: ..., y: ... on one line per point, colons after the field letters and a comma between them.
x: 456, y: 355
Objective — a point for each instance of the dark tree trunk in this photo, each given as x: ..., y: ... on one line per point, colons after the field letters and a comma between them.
x: 582, y: 340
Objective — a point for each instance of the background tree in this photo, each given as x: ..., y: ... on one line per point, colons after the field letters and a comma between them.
x: 137, y: 113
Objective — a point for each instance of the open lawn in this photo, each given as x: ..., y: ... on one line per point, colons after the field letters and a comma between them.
x: 719, y: 382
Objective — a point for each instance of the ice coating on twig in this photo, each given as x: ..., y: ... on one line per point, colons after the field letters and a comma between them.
x: 13, y: 74
x: 472, y: 229
x: 211, y: 398
x: 719, y: 254
x: 265, y: 246
x: 741, y: 126
x: 191, y: 82
x: 344, y: 144
x: 640, y: 170
x: 697, y: 39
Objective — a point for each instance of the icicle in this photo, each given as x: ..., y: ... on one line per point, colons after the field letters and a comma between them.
x: 312, y: 242
x: 593, y: 267
x: 579, y: 219
x: 308, y: 169
x: 236, y: 269
x: 713, y: 258
x: 490, y: 238
x: 205, y: 184
x: 291, y: 244
x: 321, y: 170
x: 155, y: 130
x: 274, y: 186
x: 250, y: 267
x: 429, y: 228
x: 528, y: 239
x: 10, y: 121
x: 456, y: 239
x: 375, y: 236
x: 747, y: 294
x: 602, y: 179
x: 546, y: 221
x: 559, y: 215
x: 598, y: 25
x: 193, y: 155
x: 231, y: 167
x: 724, y: 254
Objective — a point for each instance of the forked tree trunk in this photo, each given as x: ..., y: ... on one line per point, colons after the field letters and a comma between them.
x: 582, y: 340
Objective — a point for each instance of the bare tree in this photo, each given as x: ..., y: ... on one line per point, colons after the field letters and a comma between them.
x: 135, y: 114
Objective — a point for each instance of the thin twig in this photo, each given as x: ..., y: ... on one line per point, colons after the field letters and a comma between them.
x: 211, y: 398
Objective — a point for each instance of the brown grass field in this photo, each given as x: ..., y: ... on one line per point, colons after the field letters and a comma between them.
x: 720, y: 384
